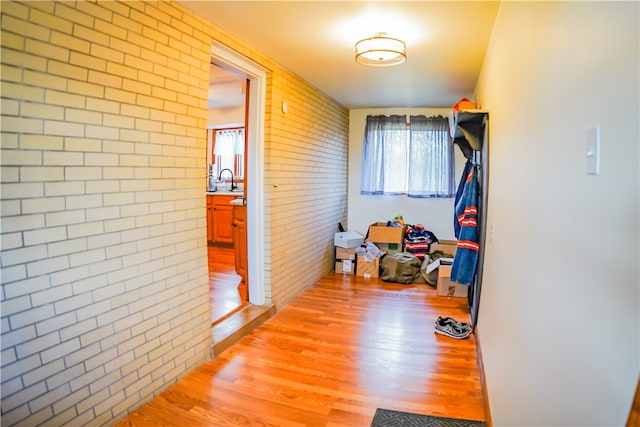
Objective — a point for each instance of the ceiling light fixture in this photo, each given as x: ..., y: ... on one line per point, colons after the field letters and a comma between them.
x: 381, y: 51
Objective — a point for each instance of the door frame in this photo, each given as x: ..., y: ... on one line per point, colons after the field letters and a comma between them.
x: 257, y: 75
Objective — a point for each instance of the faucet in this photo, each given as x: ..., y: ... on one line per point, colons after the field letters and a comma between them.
x: 233, y: 185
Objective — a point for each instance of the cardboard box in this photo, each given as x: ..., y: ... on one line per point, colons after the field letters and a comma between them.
x: 467, y: 105
x: 367, y: 269
x: 445, y: 287
x: 347, y: 239
x: 345, y: 266
x: 345, y: 253
x: 380, y: 233
x: 447, y: 262
x: 389, y: 248
x: 448, y: 247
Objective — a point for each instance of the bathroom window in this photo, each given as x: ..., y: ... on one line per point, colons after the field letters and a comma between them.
x: 413, y: 157
x: 228, y: 150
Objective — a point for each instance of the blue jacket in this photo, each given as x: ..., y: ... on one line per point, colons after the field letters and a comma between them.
x: 463, y: 179
x: 466, y: 259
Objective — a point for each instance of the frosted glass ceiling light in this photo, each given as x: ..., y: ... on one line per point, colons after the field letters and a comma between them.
x: 381, y: 51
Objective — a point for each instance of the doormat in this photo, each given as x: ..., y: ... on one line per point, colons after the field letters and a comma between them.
x: 388, y: 418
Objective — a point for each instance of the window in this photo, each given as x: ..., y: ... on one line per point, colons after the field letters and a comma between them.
x: 228, y: 151
x: 414, y: 158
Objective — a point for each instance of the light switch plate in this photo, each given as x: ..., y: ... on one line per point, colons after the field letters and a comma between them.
x: 593, y: 150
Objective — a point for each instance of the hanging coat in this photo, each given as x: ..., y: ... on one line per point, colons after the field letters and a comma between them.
x: 466, y: 259
x: 463, y: 179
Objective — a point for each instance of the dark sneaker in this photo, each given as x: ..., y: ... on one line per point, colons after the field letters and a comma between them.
x: 452, y: 331
x: 452, y: 321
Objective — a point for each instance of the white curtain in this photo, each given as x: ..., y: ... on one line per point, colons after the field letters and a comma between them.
x: 415, y: 160
x: 229, y: 150
x: 229, y: 142
x: 431, y: 158
x: 384, y: 155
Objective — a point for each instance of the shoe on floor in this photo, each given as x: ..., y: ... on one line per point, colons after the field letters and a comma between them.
x: 452, y: 331
x: 451, y: 321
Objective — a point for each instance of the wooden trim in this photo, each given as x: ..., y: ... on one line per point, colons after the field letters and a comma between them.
x: 634, y: 413
x: 254, y: 186
x: 483, y: 380
x: 245, y: 169
x: 211, y: 146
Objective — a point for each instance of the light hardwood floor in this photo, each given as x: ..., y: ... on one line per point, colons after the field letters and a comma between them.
x: 223, y: 283
x: 343, y: 348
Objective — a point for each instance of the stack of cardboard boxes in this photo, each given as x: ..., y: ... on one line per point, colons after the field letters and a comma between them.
x: 390, y: 240
x: 346, y: 243
x: 387, y: 239
x: 445, y: 286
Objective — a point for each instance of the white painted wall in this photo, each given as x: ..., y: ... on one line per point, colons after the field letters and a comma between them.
x: 435, y: 214
x: 559, y: 314
x: 225, y: 117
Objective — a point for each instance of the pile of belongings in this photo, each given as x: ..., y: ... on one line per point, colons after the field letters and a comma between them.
x: 401, y: 267
x: 397, y: 221
x: 369, y: 251
x: 417, y: 240
x: 429, y: 268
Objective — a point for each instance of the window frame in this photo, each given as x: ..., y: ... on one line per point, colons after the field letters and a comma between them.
x: 216, y: 160
x: 381, y: 156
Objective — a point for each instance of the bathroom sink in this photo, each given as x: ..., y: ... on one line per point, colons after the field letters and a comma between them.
x: 235, y: 191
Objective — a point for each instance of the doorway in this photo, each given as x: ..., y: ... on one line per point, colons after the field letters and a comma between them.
x: 254, y: 109
x: 226, y: 175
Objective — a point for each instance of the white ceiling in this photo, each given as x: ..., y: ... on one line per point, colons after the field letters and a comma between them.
x: 446, y: 42
x: 226, y: 90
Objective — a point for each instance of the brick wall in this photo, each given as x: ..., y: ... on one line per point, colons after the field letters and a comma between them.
x: 308, y: 163
x: 104, y: 281
x: 306, y: 158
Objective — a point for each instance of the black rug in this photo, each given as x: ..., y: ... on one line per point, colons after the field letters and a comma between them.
x: 387, y: 418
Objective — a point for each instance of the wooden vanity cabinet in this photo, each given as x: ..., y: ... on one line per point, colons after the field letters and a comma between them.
x: 209, y: 219
x: 219, y: 218
x: 240, y: 247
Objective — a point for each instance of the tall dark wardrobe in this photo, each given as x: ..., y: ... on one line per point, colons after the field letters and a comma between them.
x: 469, y: 130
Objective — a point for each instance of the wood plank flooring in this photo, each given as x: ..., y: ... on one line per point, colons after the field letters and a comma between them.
x: 343, y: 348
x: 223, y: 283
